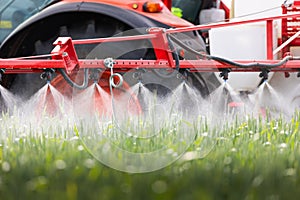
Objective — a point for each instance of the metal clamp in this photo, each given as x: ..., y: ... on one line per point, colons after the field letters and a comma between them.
x: 109, y: 62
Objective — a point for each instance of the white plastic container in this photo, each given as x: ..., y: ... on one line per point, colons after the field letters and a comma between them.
x: 242, y: 42
x: 211, y: 15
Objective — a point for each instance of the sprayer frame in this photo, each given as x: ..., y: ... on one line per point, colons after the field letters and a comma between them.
x: 64, y: 56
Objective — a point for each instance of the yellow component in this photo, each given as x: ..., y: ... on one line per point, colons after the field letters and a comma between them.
x: 135, y: 6
x: 5, y: 24
x: 176, y: 11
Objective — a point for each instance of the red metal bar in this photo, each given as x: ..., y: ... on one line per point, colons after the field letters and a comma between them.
x: 31, y: 66
x: 10, y: 64
x: 269, y: 33
x: 226, y: 9
x: 192, y: 65
x: 64, y: 55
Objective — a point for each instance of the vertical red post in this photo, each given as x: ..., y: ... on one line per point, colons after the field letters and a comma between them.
x: 284, y: 31
x: 161, y: 46
x: 269, y: 39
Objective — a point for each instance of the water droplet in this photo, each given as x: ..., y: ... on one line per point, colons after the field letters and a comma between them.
x: 89, y: 163
x: 159, y: 187
x: 60, y: 164
x: 290, y: 172
x: 257, y: 181
x: 283, y: 146
x: 5, y: 166
x: 227, y: 160
x: 80, y: 148
x: 267, y: 143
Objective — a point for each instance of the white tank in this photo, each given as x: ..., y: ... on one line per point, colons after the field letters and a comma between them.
x: 246, y: 42
x: 242, y: 42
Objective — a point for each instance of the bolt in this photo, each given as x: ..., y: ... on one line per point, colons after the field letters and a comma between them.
x: 109, y: 62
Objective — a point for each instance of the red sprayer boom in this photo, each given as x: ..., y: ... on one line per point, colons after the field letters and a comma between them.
x: 64, y: 56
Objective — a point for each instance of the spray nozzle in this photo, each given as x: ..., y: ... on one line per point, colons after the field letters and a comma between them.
x: 2, y: 71
x: 183, y: 74
x: 298, y: 74
x: 47, y: 74
x: 225, y: 74
x: 138, y: 74
x: 95, y: 75
x: 264, y: 74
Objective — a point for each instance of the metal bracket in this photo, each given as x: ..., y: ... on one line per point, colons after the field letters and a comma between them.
x: 47, y: 74
x: 264, y: 74
x: 109, y: 63
x: 65, y: 50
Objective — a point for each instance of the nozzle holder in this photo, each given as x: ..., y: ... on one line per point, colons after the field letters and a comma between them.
x: 298, y: 74
x: 138, y: 74
x: 2, y: 71
x: 109, y: 62
x: 264, y: 74
x: 95, y: 75
x: 47, y: 74
x: 184, y: 74
x: 225, y: 73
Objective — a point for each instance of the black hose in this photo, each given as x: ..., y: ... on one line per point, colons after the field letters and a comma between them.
x: 230, y: 62
x: 250, y: 65
x: 72, y: 83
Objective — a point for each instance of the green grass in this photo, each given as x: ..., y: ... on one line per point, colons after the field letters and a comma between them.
x: 252, y: 159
